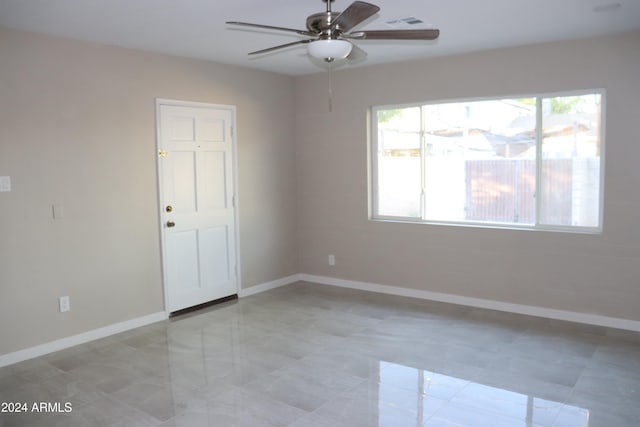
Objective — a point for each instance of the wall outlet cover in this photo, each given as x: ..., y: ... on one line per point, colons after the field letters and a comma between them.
x: 64, y: 304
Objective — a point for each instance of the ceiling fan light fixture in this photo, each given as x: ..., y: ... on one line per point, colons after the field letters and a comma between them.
x: 333, y: 49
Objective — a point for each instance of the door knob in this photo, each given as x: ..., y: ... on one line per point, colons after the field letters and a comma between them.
x: 169, y: 208
x: 171, y: 224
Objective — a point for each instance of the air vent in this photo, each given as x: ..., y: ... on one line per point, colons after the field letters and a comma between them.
x: 405, y: 23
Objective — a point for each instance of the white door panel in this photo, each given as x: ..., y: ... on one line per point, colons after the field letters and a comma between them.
x: 214, y: 256
x: 199, y: 230
x: 182, y: 250
x: 213, y: 179
x: 181, y: 182
x: 212, y: 130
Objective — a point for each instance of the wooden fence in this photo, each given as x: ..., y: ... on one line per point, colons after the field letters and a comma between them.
x: 503, y: 190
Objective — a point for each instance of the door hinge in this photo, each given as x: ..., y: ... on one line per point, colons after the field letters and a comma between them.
x: 232, y: 132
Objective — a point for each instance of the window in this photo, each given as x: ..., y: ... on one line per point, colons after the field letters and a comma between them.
x: 526, y: 162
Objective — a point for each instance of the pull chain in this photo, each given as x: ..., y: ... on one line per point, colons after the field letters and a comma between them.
x: 330, y: 62
x: 330, y: 88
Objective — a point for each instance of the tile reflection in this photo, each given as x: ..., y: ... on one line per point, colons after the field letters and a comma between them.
x: 446, y: 400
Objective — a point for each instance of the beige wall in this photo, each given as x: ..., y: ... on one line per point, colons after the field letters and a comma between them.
x: 77, y: 129
x: 595, y: 274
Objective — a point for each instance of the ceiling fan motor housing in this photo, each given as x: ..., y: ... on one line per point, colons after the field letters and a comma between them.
x: 321, y: 23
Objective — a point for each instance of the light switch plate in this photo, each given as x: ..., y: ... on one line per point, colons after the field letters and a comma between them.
x: 5, y: 183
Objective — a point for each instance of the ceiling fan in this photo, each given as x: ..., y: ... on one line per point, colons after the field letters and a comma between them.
x: 330, y: 36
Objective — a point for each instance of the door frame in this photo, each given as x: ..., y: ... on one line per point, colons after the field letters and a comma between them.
x: 160, y: 194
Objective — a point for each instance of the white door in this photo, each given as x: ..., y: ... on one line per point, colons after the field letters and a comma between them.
x: 196, y: 162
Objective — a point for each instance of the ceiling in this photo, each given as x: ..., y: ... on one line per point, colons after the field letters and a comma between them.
x: 197, y: 29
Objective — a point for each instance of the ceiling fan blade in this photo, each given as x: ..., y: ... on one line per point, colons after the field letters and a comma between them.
x: 282, y: 46
x: 270, y: 27
x: 395, y: 35
x: 356, y: 13
x: 356, y: 54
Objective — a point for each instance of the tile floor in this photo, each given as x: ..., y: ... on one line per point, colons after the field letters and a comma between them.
x: 317, y: 356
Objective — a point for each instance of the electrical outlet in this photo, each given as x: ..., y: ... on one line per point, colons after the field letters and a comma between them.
x: 64, y: 303
x: 332, y: 260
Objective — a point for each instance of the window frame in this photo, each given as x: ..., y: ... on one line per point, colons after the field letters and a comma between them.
x: 372, y: 154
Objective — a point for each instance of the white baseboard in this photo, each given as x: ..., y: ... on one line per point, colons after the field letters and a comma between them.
x: 550, y: 313
x: 590, y: 319
x: 61, y: 344
x: 263, y: 287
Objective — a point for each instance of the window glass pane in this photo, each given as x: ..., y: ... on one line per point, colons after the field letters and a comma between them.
x: 480, y: 161
x: 399, y: 167
x: 570, y: 181
x: 498, y: 162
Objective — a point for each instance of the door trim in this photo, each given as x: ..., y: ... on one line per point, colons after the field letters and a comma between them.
x: 234, y: 147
